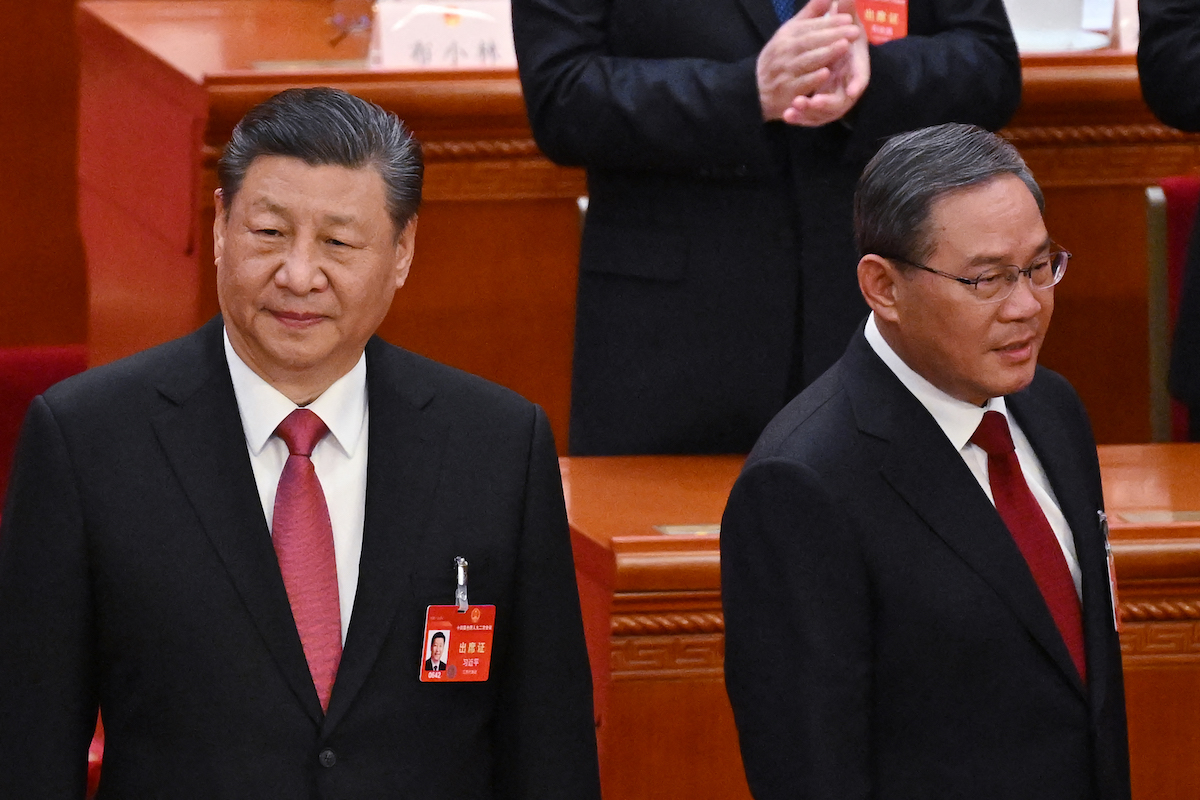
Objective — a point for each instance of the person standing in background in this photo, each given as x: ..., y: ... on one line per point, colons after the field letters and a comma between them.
x: 1169, y: 69
x: 722, y: 142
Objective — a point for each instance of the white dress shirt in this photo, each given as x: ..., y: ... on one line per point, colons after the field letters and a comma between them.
x: 340, y: 458
x: 958, y: 419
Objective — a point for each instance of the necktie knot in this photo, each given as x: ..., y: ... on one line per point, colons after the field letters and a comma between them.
x: 300, y: 431
x: 993, y: 435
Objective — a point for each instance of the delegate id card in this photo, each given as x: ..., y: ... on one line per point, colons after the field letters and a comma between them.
x: 457, y: 644
x: 883, y: 20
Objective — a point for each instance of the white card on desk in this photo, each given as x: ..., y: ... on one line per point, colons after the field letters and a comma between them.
x: 468, y: 34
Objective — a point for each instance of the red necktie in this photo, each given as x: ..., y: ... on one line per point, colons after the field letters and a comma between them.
x: 1032, y: 532
x: 303, y: 541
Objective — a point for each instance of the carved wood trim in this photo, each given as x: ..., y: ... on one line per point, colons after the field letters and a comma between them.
x: 480, y: 149
x: 1160, y: 610
x: 466, y: 150
x: 664, y: 645
x: 1154, y: 641
x: 664, y: 624
x: 1097, y: 135
x: 1171, y: 609
x: 652, y: 657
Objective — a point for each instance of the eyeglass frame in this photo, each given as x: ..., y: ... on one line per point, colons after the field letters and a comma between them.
x: 974, y: 282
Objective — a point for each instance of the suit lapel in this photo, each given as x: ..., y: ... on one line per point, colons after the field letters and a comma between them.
x: 203, y: 439
x: 928, y: 473
x: 404, y: 460
x: 1044, y: 427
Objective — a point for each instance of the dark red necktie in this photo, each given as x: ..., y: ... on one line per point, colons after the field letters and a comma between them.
x: 1032, y: 532
x: 303, y: 541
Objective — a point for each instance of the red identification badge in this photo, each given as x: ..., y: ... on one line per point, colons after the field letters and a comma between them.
x: 457, y: 644
x: 884, y: 20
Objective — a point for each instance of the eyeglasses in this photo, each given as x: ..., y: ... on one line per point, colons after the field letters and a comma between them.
x: 998, y: 283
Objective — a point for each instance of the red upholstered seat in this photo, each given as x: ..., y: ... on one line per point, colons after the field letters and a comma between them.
x: 1182, y: 195
x: 26, y: 372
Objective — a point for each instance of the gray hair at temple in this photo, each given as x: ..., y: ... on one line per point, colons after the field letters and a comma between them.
x: 899, y: 186
x: 328, y: 126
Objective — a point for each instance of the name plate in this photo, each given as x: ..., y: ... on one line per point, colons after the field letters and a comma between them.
x: 468, y: 34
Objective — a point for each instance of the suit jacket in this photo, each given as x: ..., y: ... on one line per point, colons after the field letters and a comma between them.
x: 137, y: 574
x: 903, y: 648
x: 429, y: 667
x: 717, y: 270
x: 1169, y: 68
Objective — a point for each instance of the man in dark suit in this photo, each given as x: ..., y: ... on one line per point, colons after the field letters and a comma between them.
x: 228, y: 543
x: 913, y: 557
x: 716, y: 270
x: 1169, y: 69
x: 437, y: 649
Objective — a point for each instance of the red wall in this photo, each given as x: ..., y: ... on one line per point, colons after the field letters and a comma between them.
x: 43, y: 290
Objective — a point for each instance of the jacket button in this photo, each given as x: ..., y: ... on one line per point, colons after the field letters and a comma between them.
x: 327, y: 758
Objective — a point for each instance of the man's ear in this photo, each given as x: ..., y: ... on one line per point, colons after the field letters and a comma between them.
x: 877, y: 279
x: 218, y: 227
x: 405, y: 247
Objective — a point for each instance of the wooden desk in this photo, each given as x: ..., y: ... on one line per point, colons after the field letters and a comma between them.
x: 1153, y: 497
x: 652, y: 609
x: 492, y: 288
x: 656, y: 634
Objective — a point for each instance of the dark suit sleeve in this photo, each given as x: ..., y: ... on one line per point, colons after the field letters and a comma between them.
x: 47, y: 695
x: 588, y: 106
x: 1169, y: 61
x: 962, y: 67
x: 797, y: 636
x: 591, y: 106
x: 545, y: 738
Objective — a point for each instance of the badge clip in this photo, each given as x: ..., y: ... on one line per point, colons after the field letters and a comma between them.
x: 1112, y: 571
x: 460, y: 589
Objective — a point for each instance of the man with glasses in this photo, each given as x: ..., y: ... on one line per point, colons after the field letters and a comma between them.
x: 915, y: 552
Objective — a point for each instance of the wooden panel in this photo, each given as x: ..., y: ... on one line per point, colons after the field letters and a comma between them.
x: 656, y: 632
x: 1099, y: 337
x: 486, y: 294
x: 1153, y: 501
x: 652, y: 612
x: 45, y: 294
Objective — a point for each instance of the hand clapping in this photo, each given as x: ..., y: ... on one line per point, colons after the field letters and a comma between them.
x: 816, y: 66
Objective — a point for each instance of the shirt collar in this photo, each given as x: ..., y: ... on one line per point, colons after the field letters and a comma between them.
x: 958, y: 419
x: 342, y: 407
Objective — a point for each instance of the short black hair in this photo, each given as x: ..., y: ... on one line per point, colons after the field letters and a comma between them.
x: 438, y: 635
x: 896, y: 192
x: 328, y: 126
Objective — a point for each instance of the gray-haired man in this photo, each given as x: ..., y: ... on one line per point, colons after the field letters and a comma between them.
x: 229, y: 543
x: 915, y: 551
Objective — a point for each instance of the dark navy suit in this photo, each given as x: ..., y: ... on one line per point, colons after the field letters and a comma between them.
x: 901, y: 647
x: 717, y: 271
x: 137, y: 574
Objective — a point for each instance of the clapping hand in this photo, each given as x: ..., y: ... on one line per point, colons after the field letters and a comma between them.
x: 816, y: 66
